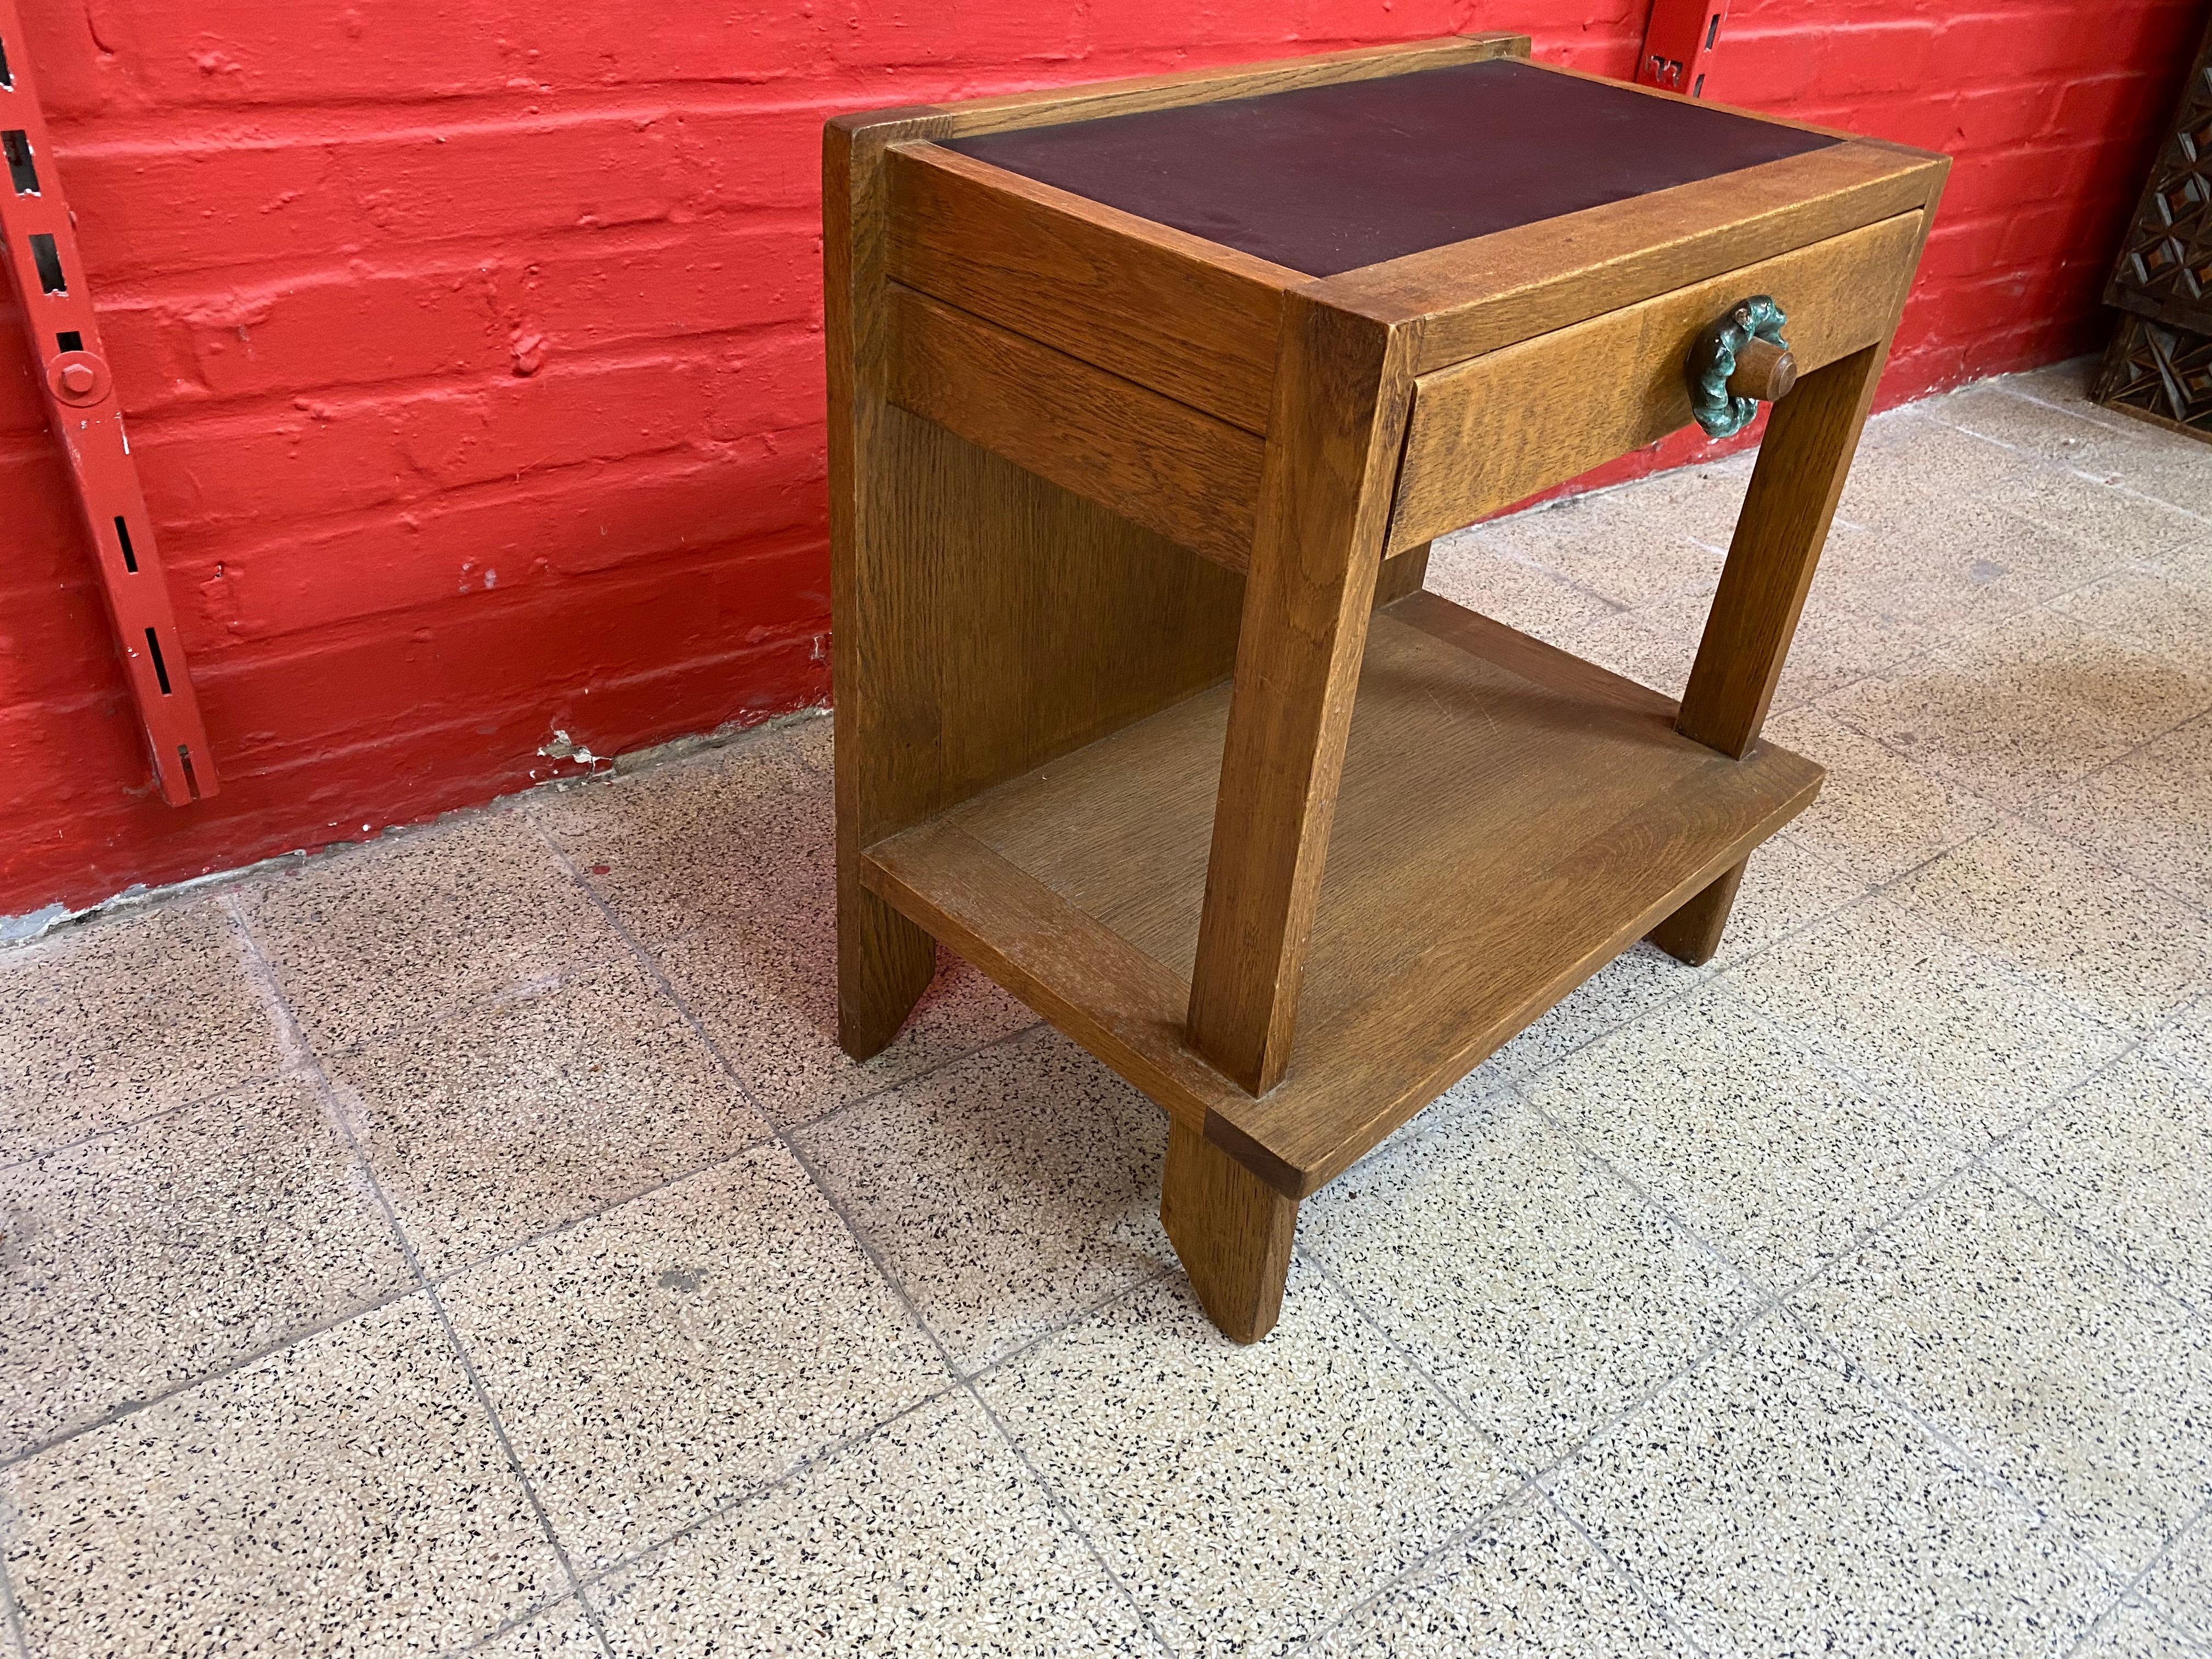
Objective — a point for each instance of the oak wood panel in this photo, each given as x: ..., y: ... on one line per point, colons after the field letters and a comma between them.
x: 1342, y: 390
x: 884, y: 961
x: 1180, y: 315
x: 1477, y: 296
x: 1121, y: 1005
x: 986, y: 620
x: 1186, y: 476
x: 1497, y: 428
x: 1509, y: 818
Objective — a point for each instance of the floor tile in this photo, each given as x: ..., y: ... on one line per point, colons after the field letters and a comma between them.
x: 2106, y: 515
x: 2137, y: 457
x: 344, y: 1496
x: 112, y: 1021
x: 715, y: 836
x: 1701, y: 501
x: 2051, y: 913
x: 2150, y: 608
x: 1772, y: 1158
x: 1913, y: 456
x: 2066, y: 384
x: 2187, y: 1038
x: 1633, y: 647
x: 2062, y: 436
x: 1971, y: 1049
x: 423, y: 926
x: 1007, y: 1193
x: 561, y: 1631
x: 2180, y: 1586
x: 1470, y: 570
x: 1526, y: 1586
x: 1878, y: 814
x: 2124, y: 1158
x: 2132, y: 1630
x: 2024, y: 708
x: 2088, y: 1391
x: 504, y: 1121
x: 658, y: 1360
x: 137, y: 1263
x: 1537, y: 1286
x: 1776, y: 1508
x: 768, y: 998
x: 2148, y: 811
x: 1245, y: 1496
x: 1942, y: 570
x: 841, y: 1559
x: 1604, y: 543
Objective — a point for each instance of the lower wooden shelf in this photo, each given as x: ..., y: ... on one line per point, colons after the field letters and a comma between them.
x: 1511, y: 818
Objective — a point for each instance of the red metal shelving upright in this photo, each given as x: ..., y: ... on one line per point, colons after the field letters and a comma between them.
x: 40, y: 238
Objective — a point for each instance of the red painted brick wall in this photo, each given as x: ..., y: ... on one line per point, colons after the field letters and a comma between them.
x: 471, y: 348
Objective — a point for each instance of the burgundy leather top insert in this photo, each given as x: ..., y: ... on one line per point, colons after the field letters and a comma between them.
x: 1326, y: 180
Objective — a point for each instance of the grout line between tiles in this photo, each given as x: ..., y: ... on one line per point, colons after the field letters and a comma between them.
x: 2129, y: 1589
x: 123, y: 1127
x: 786, y: 1136
x: 1777, y: 1306
x: 265, y: 982
x: 246, y: 1361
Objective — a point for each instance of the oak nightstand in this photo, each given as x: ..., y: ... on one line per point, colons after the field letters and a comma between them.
x: 1146, y: 400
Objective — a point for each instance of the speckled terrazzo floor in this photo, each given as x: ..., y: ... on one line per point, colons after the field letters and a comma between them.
x: 473, y: 1240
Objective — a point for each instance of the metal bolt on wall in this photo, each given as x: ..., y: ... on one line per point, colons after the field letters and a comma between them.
x: 38, y: 232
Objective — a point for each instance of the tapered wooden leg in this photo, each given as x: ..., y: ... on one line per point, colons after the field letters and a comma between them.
x: 1807, y: 455
x: 1233, y: 1231
x: 1803, y: 464
x: 1692, y: 933
x: 885, y: 963
x: 1343, y: 385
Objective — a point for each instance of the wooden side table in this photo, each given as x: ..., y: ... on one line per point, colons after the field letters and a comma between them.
x: 1146, y: 400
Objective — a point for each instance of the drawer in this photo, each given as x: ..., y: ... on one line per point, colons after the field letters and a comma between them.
x: 1495, y: 429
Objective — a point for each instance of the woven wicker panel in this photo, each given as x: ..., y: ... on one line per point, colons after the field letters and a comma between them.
x: 2164, y: 268
x: 2161, y: 372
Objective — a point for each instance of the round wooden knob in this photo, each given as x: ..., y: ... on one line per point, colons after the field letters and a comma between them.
x: 1764, y: 370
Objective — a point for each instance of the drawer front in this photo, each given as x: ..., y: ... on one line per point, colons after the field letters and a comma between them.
x: 1497, y: 428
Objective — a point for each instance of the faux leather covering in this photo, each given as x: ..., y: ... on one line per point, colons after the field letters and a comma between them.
x: 1327, y: 179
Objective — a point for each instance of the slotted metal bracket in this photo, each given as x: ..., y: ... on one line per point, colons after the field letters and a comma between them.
x: 1678, y: 43
x: 41, y: 238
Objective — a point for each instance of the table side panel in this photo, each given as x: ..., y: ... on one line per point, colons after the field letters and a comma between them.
x: 1177, y: 472
x: 1497, y: 428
